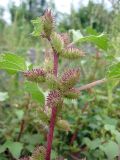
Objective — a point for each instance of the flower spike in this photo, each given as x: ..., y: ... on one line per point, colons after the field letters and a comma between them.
x: 63, y: 125
x: 39, y: 153
x: 48, y: 23
x: 72, y: 53
x: 54, y: 99
x: 70, y: 78
x: 57, y: 42
x: 36, y: 75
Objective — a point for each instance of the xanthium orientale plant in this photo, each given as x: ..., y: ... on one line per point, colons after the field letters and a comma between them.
x: 60, y: 86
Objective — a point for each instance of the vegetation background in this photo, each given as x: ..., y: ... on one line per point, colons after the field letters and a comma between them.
x: 94, y: 117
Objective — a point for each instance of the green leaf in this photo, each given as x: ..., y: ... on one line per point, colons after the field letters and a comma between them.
x: 91, y: 31
x: 38, y: 27
x: 3, y: 96
x: 35, y: 92
x: 111, y: 149
x: 114, y: 71
x: 54, y: 154
x: 14, y: 147
x: 19, y: 114
x: 2, y: 157
x: 76, y: 35
x: 12, y: 62
x: 2, y: 148
x: 113, y: 131
x: 99, y: 40
x: 117, y: 137
x: 92, y: 144
x: 33, y: 139
x: 109, y: 127
x: 110, y: 121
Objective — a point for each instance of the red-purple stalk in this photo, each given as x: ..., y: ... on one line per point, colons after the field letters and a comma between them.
x: 53, y: 116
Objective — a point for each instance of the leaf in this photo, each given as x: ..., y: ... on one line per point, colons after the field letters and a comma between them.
x: 92, y: 144
x: 95, y: 143
x: 54, y: 154
x: 33, y: 139
x: 111, y: 149
x: 19, y: 114
x: 14, y: 147
x: 2, y: 157
x: 12, y: 62
x: 2, y: 148
x: 113, y: 130
x: 99, y: 40
x: 35, y: 92
x: 91, y: 31
x: 110, y: 121
x: 38, y: 27
x: 117, y: 137
x: 3, y: 96
x: 109, y: 127
x: 114, y: 71
x: 76, y: 34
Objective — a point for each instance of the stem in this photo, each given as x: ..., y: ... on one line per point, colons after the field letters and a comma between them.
x: 53, y: 116
x: 51, y: 131
x: 90, y: 85
x: 22, y: 125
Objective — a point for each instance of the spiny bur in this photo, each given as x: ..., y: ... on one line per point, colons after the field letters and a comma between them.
x: 57, y: 42
x: 70, y: 78
x: 72, y: 53
x: 36, y: 75
x: 54, y: 98
x: 39, y: 153
x: 48, y: 23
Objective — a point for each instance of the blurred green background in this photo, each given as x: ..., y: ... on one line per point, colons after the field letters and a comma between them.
x: 94, y: 117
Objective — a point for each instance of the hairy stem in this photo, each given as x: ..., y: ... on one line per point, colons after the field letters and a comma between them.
x: 53, y: 116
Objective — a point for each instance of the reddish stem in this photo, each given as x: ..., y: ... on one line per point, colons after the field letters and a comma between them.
x: 51, y: 131
x: 53, y: 116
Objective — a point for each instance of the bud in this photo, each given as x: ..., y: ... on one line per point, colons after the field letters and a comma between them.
x: 54, y: 99
x: 72, y: 53
x: 72, y: 93
x: 48, y: 23
x: 70, y: 78
x: 63, y: 125
x: 39, y: 153
x: 36, y: 75
x: 57, y: 42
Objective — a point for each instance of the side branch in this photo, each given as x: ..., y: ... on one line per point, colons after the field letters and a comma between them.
x: 90, y: 85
